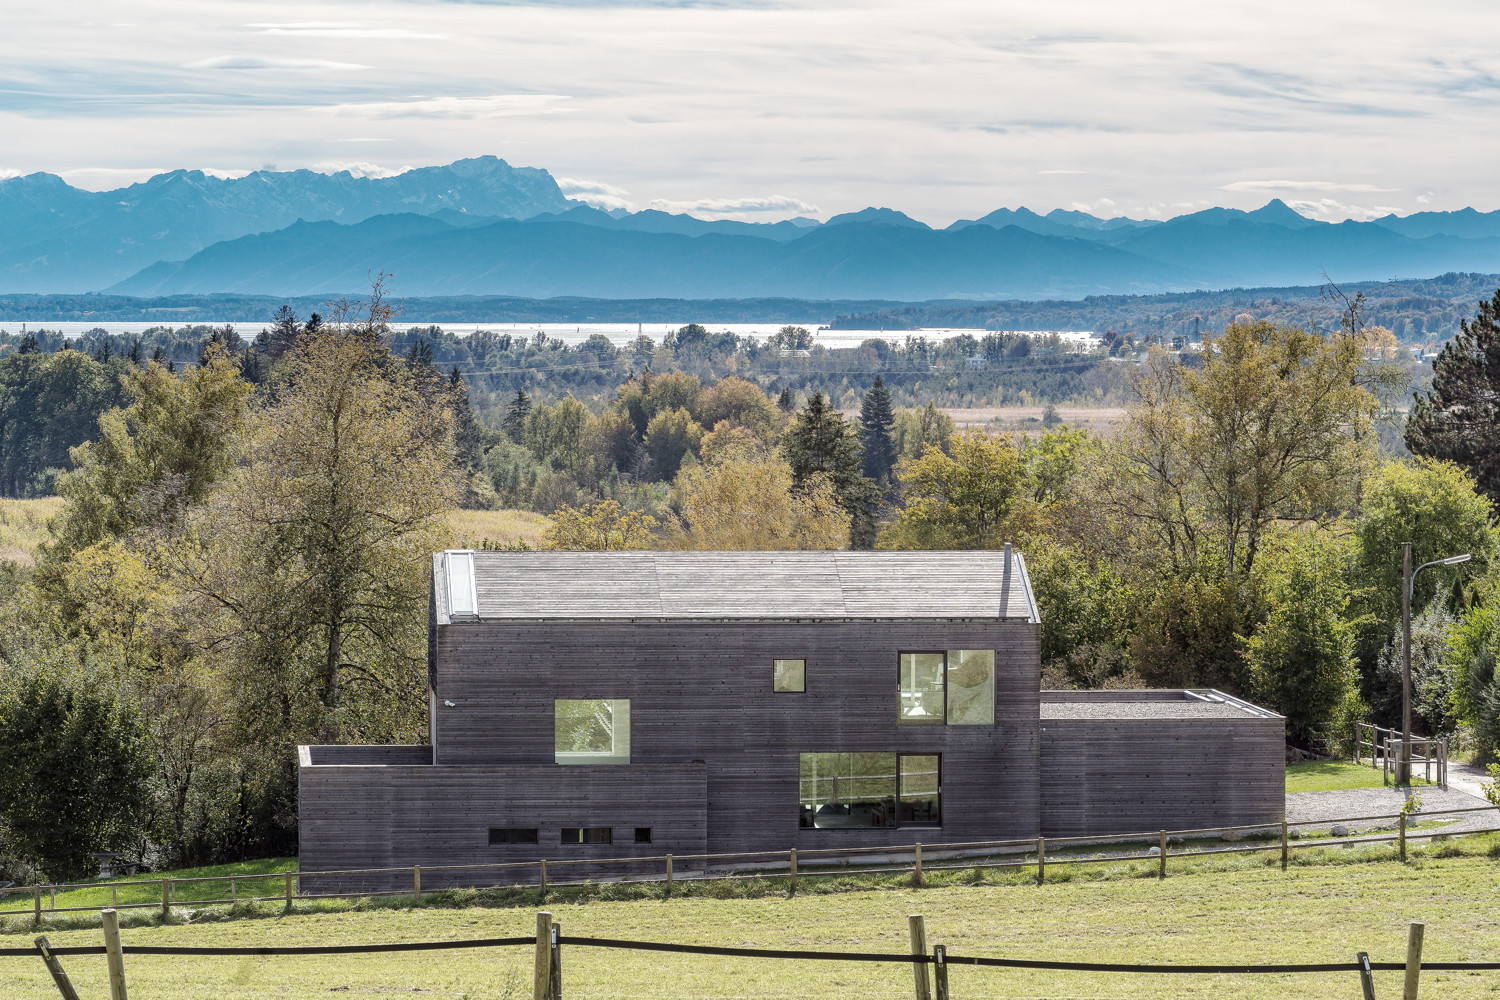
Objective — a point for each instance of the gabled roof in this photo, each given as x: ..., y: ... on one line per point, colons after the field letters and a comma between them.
x: 698, y: 586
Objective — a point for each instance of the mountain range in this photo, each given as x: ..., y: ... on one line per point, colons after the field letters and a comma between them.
x: 482, y: 227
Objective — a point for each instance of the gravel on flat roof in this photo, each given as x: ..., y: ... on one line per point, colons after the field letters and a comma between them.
x: 1142, y: 710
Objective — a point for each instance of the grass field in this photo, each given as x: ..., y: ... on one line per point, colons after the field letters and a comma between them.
x: 23, y: 527
x: 1255, y: 913
x: 1332, y: 775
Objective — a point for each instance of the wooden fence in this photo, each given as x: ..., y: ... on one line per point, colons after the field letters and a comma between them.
x: 1385, y: 751
x: 1157, y: 845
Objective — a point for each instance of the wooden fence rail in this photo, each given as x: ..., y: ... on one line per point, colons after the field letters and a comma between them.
x: 1156, y: 846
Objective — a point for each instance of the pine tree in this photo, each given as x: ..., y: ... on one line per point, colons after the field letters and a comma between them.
x: 784, y: 402
x: 875, y: 422
x: 514, y: 423
x: 821, y: 442
x: 468, y: 436
x: 1459, y: 418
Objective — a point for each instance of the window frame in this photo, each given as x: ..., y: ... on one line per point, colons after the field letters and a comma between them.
x: 946, y: 720
x: 583, y: 836
x: 584, y: 758
x: 896, y: 799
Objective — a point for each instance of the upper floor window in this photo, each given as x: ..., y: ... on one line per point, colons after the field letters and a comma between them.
x: 592, y: 731
x: 789, y: 676
x: 956, y: 687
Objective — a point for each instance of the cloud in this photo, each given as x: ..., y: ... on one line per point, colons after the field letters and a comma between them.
x: 737, y: 206
x: 7, y: 174
x: 1261, y: 186
x: 594, y: 193
x: 358, y: 168
x: 494, y: 106
x: 261, y: 62
x: 1044, y: 172
x: 337, y: 29
x: 1329, y: 210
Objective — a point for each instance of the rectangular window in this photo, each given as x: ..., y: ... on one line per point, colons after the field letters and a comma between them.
x: 789, y: 676
x: 461, y: 595
x: 643, y: 835
x: 592, y: 731
x: 587, y: 835
x: 920, y: 785
x: 920, y: 688
x: 841, y: 791
x: 512, y: 835
x: 971, y: 687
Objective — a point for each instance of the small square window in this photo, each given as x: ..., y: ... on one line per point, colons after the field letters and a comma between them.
x: 643, y: 835
x: 512, y: 835
x: 789, y: 676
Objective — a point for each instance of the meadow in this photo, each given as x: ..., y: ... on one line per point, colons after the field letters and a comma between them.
x: 1246, y: 912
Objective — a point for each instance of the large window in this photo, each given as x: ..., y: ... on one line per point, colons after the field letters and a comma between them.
x: 592, y: 731
x: 844, y: 791
x: 789, y: 676
x: 956, y: 687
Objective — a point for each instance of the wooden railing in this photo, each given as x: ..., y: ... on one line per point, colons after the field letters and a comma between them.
x: 793, y: 864
x: 1385, y: 751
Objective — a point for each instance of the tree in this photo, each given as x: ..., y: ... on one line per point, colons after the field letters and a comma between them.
x: 820, y: 442
x: 1474, y: 654
x: 600, y: 527
x: 1458, y: 419
x: 317, y: 551
x: 514, y: 423
x: 915, y: 430
x: 1269, y: 428
x: 960, y: 501
x: 875, y: 422
x: 1302, y: 656
x: 749, y: 501
x: 671, y: 436
x: 741, y: 403
x: 73, y: 773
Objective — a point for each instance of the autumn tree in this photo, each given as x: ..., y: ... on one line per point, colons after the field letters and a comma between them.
x: 821, y: 443
x: 750, y: 501
x: 958, y: 501
x: 1458, y: 419
x: 600, y: 527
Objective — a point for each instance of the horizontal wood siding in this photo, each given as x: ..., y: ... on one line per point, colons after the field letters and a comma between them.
x: 702, y: 692
x: 398, y: 816
x: 390, y: 754
x: 1130, y: 776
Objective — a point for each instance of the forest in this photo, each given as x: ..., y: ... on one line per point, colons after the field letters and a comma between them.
x: 239, y: 563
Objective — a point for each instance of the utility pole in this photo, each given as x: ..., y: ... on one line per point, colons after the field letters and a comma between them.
x: 1403, y: 768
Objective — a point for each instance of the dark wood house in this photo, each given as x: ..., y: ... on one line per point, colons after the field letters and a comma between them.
x: 614, y: 704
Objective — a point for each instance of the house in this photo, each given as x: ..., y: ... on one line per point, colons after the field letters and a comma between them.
x: 619, y: 704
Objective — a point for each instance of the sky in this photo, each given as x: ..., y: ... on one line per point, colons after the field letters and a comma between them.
x: 944, y: 109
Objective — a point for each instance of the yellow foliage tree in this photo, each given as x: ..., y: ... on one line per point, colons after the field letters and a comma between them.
x: 600, y: 527
x: 958, y: 501
x: 747, y: 502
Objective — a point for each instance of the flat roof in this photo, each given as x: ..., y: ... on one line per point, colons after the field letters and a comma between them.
x: 1149, y: 705
x: 691, y: 586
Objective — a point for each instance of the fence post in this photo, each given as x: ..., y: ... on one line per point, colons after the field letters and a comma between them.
x: 792, y: 855
x: 919, y: 950
x: 916, y: 870
x: 166, y: 896
x: 36, y: 900
x: 115, y: 954
x: 669, y: 874
x: 1283, y: 845
x: 416, y: 883
x: 1366, y: 977
x: 1401, y: 835
x: 1041, y: 860
x: 1161, y: 865
x: 940, y: 971
x: 543, y: 882
x: 556, y: 980
x: 1413, y: 959
x: 52, y: 897
x: 59, y: 976
x: 288, y: 890
x: 541, y: 984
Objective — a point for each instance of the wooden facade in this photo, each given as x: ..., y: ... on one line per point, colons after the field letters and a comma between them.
x: 714, y: 753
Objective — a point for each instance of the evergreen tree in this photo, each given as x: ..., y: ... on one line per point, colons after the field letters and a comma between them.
x: 876, y: 419
x: 820, y: 442
x: 1459, y: 418
x: 784, y: 402
x: 468, y: 436
x: 514, y: 423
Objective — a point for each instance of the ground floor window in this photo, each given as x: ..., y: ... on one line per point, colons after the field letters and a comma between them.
x: 587, y: 835
x: 841, y: 791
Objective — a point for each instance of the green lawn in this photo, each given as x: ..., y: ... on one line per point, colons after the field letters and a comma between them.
x: 1251, y: 913
x: 1327, y: 776
x: 147, y: 888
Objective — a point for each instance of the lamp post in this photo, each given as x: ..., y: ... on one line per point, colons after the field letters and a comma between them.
x: 1409, y: 578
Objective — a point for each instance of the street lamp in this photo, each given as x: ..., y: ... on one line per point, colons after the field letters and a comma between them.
x: 1403, y: 769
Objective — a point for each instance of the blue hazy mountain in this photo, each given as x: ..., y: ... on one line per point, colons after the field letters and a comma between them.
x: 481, y: 226
x: 62, y: 238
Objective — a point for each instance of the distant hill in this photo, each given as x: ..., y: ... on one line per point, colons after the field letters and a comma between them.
x: 59, y: 238
x: 483, y: 227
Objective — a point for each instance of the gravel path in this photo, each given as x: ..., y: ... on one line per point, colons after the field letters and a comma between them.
x: 1316, y: 810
